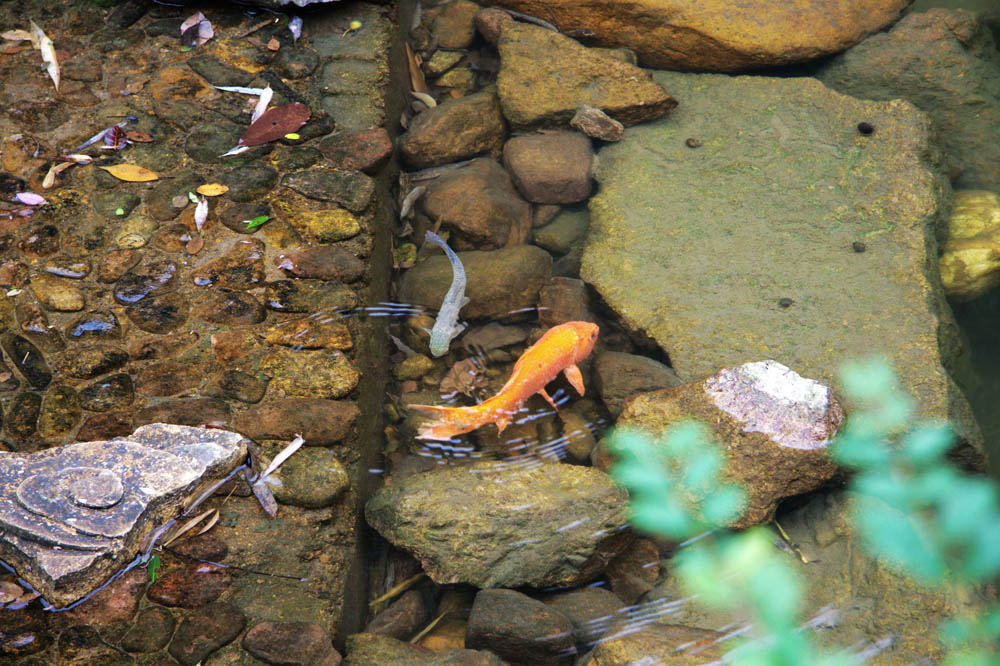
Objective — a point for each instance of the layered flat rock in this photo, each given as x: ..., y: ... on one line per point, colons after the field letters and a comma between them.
x: 718, y: 35
x: 946, y: 63
x: 545, y: 77
x: 493, y: 525
x: 787, y: 234
x: 71, y: 516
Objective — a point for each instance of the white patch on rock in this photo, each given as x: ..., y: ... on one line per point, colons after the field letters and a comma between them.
x: 772, y: 399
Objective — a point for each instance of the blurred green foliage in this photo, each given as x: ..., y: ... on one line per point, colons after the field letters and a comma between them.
x: 912, y: 508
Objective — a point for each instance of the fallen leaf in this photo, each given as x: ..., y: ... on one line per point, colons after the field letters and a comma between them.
x: 16, y: 35
x: 212, y: 189
x: 273, y: 45
x: 464, y: 377
x: 276, y: 123
x: 425, y: 98
x: 54, y: 170
x: 132, y: 173
x: 194, y: 245
x: 30, y: 198
x: 42, y: 42
x: 410, y: 386
x: 139, y: 137
x: 261, y: 106
x: 257, y: 221
x: 417, y: 80
x: 196, y: 30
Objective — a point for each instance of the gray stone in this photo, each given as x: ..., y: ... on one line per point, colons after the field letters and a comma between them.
x: 781, y: 187
x: 312, y: 478
x: 618, y: 376
x: 454, y: 130
x: 375, y: 650
x: 351, y: 189
x: 71, y: 516
x: 498, y: 525
x: 519, y: 628
x: 946, y: 63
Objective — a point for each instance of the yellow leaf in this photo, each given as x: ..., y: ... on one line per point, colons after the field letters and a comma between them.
x: 212, y: 189
x: 133, y: 173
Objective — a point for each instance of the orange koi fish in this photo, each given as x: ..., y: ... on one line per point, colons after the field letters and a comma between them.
x: 559, y: 350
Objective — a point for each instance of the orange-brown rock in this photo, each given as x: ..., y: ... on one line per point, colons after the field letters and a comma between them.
x: 545, y: 77
x: 718, y: 35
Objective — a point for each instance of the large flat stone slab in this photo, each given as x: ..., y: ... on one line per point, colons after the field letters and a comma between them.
x: 71, y: 516
x: 746, y: 247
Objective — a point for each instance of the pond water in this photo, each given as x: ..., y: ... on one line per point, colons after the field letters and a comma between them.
x: 272, y: 278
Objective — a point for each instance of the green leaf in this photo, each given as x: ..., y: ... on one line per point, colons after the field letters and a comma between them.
x: 927, y: 444
x: 724, y: 505
x: 901, y: 538
x: 257, y: 221
x: 153, y: 567
x: 192, y: 197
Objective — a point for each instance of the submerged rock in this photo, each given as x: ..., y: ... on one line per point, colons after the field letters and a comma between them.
x: 675, y: 644
x: 291, y: 643
x: 550, y: 167
x: 717, y: 35
x: 497, y: 525
x: 545, y: 77
x: 773, y: 425
x: 755, y: 253
x: 454, y: 130
x: 520, y: 629
x: 375, y: 650
x: 970, y: 259
x: 73, y: 515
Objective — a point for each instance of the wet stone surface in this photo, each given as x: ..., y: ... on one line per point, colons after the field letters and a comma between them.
x: 71, y: 514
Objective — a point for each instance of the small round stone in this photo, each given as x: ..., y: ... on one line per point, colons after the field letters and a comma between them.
x: 99, y: 489
x: 785, y: 302
x: 858, y: 246
x: 693, y: 142
x: 866, y: 128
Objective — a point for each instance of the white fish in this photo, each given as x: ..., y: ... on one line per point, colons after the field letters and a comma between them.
x: 41, y: 42
x: 295, y: 27
x: 241, y: 89
x: 446, y: 326
x: 201, y: 213
x: 265, y: 99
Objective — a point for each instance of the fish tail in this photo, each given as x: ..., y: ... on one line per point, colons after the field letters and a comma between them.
x: 446, y: 422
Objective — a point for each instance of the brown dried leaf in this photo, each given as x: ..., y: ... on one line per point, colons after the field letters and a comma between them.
x: 276, y: 123
x: 132, y: 173
x: 464, y: 377
x: 50, y: 177
x: 417, y: 80
x: 194, y: 245
x: 135, y: 86
x: 139, y: 137
x: 273, y: 44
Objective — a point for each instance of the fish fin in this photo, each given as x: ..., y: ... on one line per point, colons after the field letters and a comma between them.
x: 446, y: 422
x: 575, y: 377
x: 502, y: 422
x: 549, y: 399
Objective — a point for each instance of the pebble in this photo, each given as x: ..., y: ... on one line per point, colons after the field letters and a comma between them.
x: 56, y: 295
x: 562, y: 300
x: 208, y: 141
x: 166, y: 378
x: 184, y: 411
x: 519, y: 629
x: 155, y: 277
x: 552, y: 167
x: 635, y: 571
x: 295, y: 63
x: 22, y: 415
x: 308, y: 296
x: 109, y: 425
x: 40, y: 241
x: 403, y: 618
x: 230, y: 308
x: 67, y: 267
x: 34, y: 323
x: 490, y: 21
x: 113, y: 392
x: 312, y: 478
x: 295, y: 158
x: 242, y: 267
x: 414, y: 366
x: 454, y: 130
x: 480, y: 204
x: 159, y: 201
x: 114, y: 604
x: 346, y: 187
x: 291, y: 644
x: 320, y: 422
x: 172, y: 238
x: 591, y: 610
x: 27, y: 359
x: 162, y: 347
x: 618, y: 376
x: 376, y: 650
x: 108, y: 203
x: 99, y: 324
x: 249, y: 183
x: 596, y: 124
x: 204, y: 631
x: 580, y: 440
x: 236, y: 385
x: 159, y: 314
x: 191, y: 585
x: 321, y: 263
x: 454, y: 27
x: 150, y: 631
x: 135, y: 233
x: 327, y: 225
x: 319, y: 331
x: 236, y: 217
x: 310, y: 374
x: 559, y: 236
x: 60, y: 412
x: 115, y: 263
x: 365, y: 150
